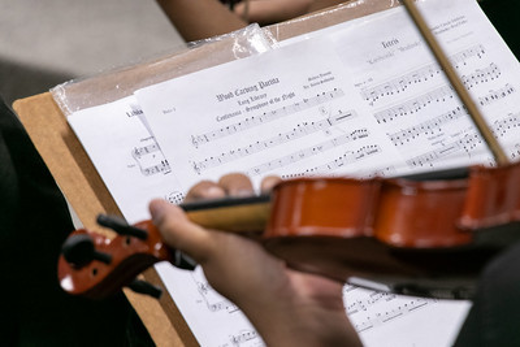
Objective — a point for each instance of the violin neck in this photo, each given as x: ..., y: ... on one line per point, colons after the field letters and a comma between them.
x: 248, y: 214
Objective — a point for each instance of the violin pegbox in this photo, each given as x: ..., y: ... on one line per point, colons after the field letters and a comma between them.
x: 96, y: 266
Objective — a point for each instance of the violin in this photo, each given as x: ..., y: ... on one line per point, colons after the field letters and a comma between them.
x: 418, y: 235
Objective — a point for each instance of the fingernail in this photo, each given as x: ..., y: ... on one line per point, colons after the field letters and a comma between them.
x: 157, y: 208
x: 214, y: 192
x: 243, y: 193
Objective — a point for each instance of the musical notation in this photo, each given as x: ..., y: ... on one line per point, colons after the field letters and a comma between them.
x: 480, y: 76
x: 245, y: 337
x: 139, y: 152
x: 503, y: 126
x: 174, y: 197
x: 388, y: 171
x: 150, y: 158
x: 515, y: 152
x: 349, y: 157
x: 402, y: 83
x: 428, y: 127
x: 308, y: 152
x: 495, y: 95
x: 248, y: 123
x: 414, y: 105
x: 213, y: 301
x: 162, y: 167
x: 468, y: 143
x: 463, y: 56
x: 369, y: 309
x: 299, y: 131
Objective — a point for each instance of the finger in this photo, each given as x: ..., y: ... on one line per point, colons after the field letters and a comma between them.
x: 178, y: 232
x: 205, y: 190
x: 236, y: 184
x: 269, y: 182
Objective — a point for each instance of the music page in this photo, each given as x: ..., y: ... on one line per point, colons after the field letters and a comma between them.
x: 291, y: 112
x: 409, y: 95
x: 126, y: 156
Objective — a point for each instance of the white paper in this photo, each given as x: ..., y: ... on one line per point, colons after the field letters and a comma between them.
x: 126, y: 156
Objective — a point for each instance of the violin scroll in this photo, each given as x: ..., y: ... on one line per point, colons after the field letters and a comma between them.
x: 96, y: 266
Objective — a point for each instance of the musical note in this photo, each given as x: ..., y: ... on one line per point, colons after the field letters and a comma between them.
x: 162, y: 167
x: 299, y: 131
x: 308, y: 152
x: 339, y: 162
x: 431, y: 126
x: 248, y: 123
x: 139, y: 152
x: 150, y: 158
x: 400, y: 84
x: 503, y: 126
x: 244, y: 337
x: 368, y: 309
x: 468, y: 143
x: 416, y: 104
x: 174, y: 197
x: 213, y: 301
x: 462, y: 57
x: 516, y: 152
x: 481, y: 76
x: 495, y: 95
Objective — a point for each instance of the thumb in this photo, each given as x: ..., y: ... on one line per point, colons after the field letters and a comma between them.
x: 178, y: 231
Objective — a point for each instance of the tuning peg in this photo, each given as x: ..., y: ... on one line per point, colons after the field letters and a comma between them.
x: 79, y: 250
x: 121, y: 227
x: 144, y: 287
x: 182, y: 261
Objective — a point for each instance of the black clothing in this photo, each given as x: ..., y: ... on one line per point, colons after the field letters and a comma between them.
x: 494, y: 319
x: 34, y: 222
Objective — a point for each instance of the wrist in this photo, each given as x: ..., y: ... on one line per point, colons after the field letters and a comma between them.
x: 303, y: 317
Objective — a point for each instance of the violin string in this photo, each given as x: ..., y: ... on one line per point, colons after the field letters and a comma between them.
x: 481, y: 125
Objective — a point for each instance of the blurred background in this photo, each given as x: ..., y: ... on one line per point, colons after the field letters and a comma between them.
x: 45, y: 43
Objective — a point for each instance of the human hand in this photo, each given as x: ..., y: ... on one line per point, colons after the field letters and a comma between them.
x: 287, y: 307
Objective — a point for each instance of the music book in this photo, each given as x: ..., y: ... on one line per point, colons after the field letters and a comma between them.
x: 361, y: 98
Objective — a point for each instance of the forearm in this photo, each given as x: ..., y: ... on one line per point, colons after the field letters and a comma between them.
x: 267, y: 12
x: 200, y: 19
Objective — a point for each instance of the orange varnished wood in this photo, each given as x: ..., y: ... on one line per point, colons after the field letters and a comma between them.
x: 493, y: 197
x: 337, y: 207
x: 421, y: 214
x: 130, y: 256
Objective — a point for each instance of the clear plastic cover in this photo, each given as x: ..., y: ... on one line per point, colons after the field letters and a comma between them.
x: 110, y: 86
x: 346, y: 11
x: 79, y: 94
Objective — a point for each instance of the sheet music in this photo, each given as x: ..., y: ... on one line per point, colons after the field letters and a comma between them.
x: 410, y: 96
x: 298, y: 116
x: 315, y: 107
x: 126, y: 156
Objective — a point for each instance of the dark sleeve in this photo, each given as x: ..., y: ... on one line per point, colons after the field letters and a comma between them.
x: 34, y: 223
x: 494, y: 319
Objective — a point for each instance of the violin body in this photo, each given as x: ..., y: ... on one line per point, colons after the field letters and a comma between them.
x: 415, y: 236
